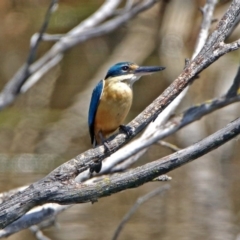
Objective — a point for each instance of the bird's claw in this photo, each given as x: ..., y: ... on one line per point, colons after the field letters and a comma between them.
x: 126, y: 129
x: 96, y: 167
x: 106, y: 145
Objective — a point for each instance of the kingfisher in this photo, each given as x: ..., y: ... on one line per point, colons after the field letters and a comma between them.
x: 112, y: 98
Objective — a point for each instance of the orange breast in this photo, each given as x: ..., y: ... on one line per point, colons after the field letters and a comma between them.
x: 113, y: 108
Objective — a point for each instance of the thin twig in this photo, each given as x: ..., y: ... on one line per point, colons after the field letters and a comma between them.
x: 38, y: 233
x: 162, y: 178
x: 171, y: 146
x: 41, y: 216
x: 233, y: 90
x: 134, y: 208
x: 35, y: 41
x: 12, y: 88
x: 207, y: 12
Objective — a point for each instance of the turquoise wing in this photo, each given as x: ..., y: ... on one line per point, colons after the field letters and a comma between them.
x: 96, y: 96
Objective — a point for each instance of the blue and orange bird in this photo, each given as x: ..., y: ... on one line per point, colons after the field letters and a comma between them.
x: 112, y: 99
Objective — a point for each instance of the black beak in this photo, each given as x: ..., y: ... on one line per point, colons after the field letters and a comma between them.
x: 148, y: 70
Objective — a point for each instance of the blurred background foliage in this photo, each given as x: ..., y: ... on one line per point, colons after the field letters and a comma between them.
x: 48, y: 124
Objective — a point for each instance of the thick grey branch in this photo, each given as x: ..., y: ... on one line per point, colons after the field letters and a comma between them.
x: 67, y: 193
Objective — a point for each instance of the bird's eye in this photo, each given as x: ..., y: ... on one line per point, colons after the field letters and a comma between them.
x: 125, y: 68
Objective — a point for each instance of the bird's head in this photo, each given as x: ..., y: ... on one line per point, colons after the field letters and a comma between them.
x: 130, y: 72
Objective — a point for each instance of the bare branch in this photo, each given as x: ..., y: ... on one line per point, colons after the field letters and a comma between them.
x: 35, y: 41
x: 207, y: 12
x: 134, y: 208
x: 162, y: 178
x: 6, y: 195
x: 38, y: 233
x: 71, y: 39
x: 229, y: 47
x: 43, y: 214
x: 171, y: 146
x: 233, y: 90
x: 12, y: 89
x: 68, y: 192
x: 105, y: 11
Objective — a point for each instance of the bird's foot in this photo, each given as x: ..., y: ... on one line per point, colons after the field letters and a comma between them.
x: 95, y: 167
x: 126, y: 129
x: 106, y: 145
x: 104, y: 142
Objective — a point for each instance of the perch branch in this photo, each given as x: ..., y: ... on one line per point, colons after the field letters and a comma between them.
x: 45, y: 190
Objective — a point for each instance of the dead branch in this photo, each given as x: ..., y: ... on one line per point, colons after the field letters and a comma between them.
x: 68, y: 192
x: 134, y: 208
